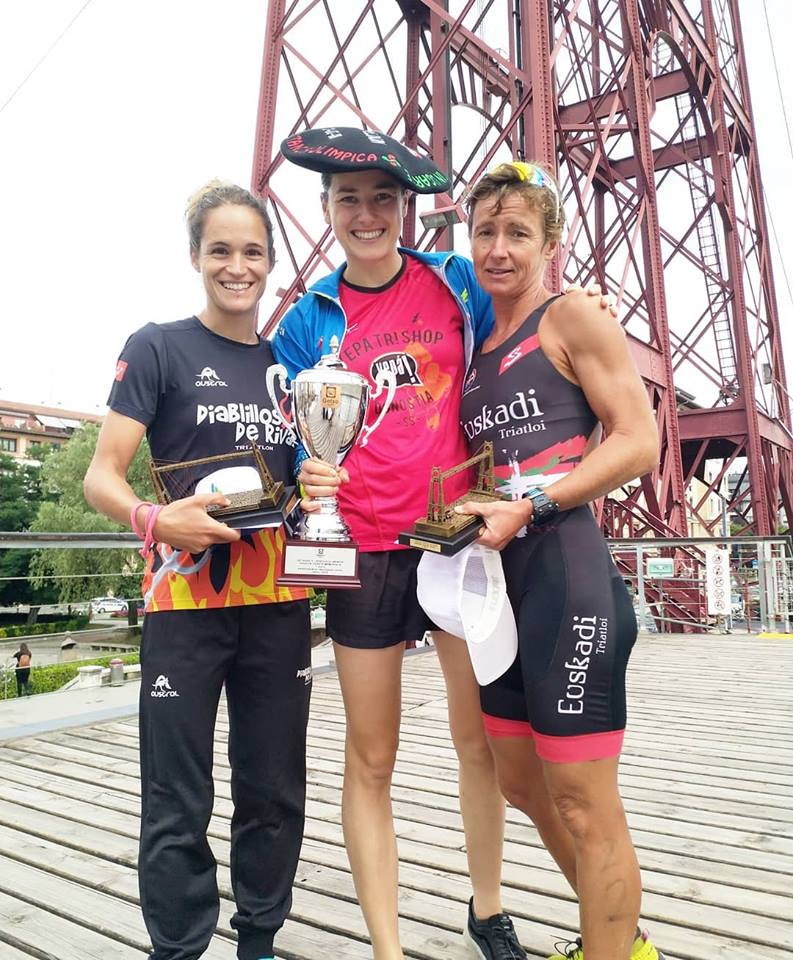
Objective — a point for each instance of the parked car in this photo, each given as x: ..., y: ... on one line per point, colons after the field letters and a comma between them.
x: 123, y: 613
x: 108, y: 605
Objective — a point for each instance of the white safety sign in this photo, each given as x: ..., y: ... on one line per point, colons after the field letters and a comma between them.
x: 717, y: 581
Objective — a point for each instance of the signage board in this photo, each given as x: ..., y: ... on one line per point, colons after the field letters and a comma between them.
x: 717, y: 581
x: 660, y: 567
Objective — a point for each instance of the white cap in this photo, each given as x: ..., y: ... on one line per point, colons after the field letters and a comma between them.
x: 466, y: 595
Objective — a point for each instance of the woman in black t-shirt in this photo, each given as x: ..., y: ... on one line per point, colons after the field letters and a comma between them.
x: 215, y: 616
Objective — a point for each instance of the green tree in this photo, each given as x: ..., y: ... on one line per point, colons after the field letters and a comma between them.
x: 20, y: 496
x: 67, y: 511
x: 20, y: 493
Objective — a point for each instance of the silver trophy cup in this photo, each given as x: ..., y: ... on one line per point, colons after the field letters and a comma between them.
x: 329, y: 406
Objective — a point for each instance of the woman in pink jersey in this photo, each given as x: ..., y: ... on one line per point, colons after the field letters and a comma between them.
x: 420, y: 315
x: 556, y: 368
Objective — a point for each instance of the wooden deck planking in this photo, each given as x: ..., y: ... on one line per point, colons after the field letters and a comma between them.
x: 706, y: 777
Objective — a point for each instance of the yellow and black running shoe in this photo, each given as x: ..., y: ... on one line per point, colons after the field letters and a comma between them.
x: 643, y: 949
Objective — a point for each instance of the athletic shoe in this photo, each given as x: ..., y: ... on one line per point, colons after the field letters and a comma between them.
x: 493, y: 938
x: 642, y: 949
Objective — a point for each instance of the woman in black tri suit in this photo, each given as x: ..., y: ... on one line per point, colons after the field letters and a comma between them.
x: 552, y: 370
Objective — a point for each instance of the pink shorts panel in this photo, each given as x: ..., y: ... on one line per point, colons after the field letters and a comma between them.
x: 501, y: 727
x: 586, y: 746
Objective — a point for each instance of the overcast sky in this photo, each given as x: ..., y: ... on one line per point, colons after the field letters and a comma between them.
x: 136, y: 106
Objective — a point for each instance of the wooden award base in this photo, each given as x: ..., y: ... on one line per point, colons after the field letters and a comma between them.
x: 319, y: 563
x: 255, y: 516
x: 445, y: 544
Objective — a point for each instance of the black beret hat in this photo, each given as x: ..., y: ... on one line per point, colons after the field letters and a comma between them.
x: 347, y: 149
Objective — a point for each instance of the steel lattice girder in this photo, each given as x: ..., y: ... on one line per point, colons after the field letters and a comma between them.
x: 643, y: 108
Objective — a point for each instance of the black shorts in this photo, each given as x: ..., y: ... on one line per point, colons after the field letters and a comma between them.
x: 385, y: 611
x: 576, y: 630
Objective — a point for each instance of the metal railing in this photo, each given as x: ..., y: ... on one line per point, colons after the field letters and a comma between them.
x: 760, y: 574
x: 675, y: 595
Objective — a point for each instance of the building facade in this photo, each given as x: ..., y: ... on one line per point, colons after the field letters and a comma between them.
x: 23, y: 426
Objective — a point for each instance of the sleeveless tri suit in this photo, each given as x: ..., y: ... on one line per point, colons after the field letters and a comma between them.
x: 575, y: 619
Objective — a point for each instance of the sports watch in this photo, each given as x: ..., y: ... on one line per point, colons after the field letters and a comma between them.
x: 544, y: 510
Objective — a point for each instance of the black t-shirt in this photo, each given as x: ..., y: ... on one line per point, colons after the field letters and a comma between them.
x: 200, y: 395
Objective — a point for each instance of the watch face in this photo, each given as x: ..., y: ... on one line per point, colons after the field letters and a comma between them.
x: 545, y: 509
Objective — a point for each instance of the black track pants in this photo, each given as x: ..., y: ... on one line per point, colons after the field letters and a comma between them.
x: 263, y: 655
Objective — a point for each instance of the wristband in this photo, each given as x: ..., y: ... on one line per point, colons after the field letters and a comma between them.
x: 151, y: 519
x: 139, y: 532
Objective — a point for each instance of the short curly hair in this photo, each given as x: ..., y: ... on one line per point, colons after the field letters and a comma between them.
x: 533, y: 181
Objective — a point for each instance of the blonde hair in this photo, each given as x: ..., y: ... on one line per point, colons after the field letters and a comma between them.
x: 532, y: 181
x: 218, y: 193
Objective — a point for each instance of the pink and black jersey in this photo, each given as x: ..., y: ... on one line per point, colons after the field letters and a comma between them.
x: 576, y: 628
x: 413, y: 327
x: 538, y: 421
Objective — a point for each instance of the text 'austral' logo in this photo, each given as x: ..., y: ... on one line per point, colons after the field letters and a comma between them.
x: 402, y: 365
x: 523, y: 408
x: 208, y: 378
x: 163, y: 688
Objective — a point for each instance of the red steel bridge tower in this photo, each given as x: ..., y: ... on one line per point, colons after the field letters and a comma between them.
x: 643, y: 108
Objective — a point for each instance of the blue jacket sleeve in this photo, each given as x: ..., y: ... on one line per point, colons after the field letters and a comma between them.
x: 291, y: 343
x: 478, y: 303
x: 291, y: 348
x: 481, y: 305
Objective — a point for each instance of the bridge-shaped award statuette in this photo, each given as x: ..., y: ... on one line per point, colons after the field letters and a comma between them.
x: 255, y: 499
x: 442, y: 530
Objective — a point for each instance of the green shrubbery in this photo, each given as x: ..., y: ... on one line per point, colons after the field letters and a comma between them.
x: 55, y: 675
x: 318, y: 600
x: 35, y: 629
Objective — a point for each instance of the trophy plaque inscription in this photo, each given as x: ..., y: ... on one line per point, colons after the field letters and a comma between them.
x: 256, y: 500
x: 329, y: 407
x: 442, y: 530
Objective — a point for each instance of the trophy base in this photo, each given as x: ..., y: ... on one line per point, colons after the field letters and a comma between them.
x: 319, y: 563
x: 258, y: 517
x: 447, y: 546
